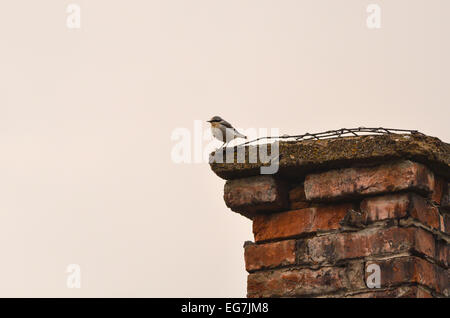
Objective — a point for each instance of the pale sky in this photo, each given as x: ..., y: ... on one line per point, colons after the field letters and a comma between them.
x: 86, y: 118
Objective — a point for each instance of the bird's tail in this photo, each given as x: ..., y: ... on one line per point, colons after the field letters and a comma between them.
x: 238, y: 134
x: 241, y: 135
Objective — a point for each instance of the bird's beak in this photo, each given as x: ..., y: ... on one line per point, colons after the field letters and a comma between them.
x: 208, y: 121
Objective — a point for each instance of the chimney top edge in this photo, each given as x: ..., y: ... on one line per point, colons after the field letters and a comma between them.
x: 297, y: 158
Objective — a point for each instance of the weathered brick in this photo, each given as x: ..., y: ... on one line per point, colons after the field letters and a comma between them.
x: 297, y: 198
x: 248, y: 196
x: 445, y: 223
x: 438, y: 190
x: 355, y: 273
x: 411, y: 269
x: 400, y: 205
x: 302, y: 282
x: 390, y: 206
x: 445, y: 202
x: 422, y: 293
x: 269, y: 255
x: 443, y: 252
x: 399, y: 292
x: 423, y: 212
x: 297, y: 205
x: 330, y: 249
x: 298, y: 222
x: 355, y: 182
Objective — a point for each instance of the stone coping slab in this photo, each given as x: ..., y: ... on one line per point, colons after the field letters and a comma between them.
x: 298, y: 158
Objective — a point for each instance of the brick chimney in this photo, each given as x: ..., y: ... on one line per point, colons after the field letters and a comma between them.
x: 365, y: 216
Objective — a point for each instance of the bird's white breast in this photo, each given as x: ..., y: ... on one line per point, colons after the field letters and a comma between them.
x: 217, y: 133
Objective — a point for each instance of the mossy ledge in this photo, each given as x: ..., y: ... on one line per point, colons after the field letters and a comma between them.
x: 296, y: 158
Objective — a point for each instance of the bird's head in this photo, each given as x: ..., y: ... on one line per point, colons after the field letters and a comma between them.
x: 215, y: 119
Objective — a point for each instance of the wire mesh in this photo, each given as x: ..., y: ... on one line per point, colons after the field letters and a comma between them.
x: 338, y: 133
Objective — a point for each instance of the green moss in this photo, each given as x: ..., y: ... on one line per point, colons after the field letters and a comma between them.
x: 300, y: 157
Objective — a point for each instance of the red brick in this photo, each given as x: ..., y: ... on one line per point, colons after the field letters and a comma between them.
x: 299, y: 205
x: 424, y: 242
x: 248, y: 196
x: 443, y: 252
x: 422, y: 293
x: 438, y: 191
x: 269, y: 255
x: 355, y: 182
x: 330, y: 249
x: 298, y: 222
x: 400, y: 205
x: 445, y: 223
x: 399, y: 292
x: 423, y: 212
x: 411, y: 269
x: 355, y: 272
x: 297, y: 199
x: 297, y: 193
x: 302, y: 282
x: 391, y: 206
x: 445, y: 202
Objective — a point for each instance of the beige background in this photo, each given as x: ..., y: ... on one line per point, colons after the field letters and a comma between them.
x: 86, y: 117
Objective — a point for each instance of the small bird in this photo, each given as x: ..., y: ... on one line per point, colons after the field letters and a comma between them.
x: 223, y: 130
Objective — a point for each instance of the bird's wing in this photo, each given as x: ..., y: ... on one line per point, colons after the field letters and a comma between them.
x: 226, y: 124
x: 239, y: 134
